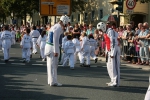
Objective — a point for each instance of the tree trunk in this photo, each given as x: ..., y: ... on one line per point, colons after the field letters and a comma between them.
x: 25, y: 20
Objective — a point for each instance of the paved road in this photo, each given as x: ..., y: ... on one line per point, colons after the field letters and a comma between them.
x: 20, y: 81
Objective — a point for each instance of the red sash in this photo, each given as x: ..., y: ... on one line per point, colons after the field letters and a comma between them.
x: 107, y: 41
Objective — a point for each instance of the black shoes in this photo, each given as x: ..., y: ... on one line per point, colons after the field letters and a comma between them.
x: 96, y: 60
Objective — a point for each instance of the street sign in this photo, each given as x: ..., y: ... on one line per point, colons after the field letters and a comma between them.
x: 55, y: 7
x: 129, y: 11
x: 130, y: 4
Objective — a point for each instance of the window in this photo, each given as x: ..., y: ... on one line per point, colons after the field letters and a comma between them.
x: 93, y: 15
x: 85, y: 16
x: 72, y: 18
x: 78, y: 17
x: 101, y: 13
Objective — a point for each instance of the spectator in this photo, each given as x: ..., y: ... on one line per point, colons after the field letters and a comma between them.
x: 90, y: 30
x: 76, y: 31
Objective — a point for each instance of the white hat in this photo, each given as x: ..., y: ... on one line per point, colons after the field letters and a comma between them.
x: 65, y: 19
x: 101, y: 26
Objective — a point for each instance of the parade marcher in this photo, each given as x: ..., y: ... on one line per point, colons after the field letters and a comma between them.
x: 14, y: 35
x: 147, y: 96
x: 52, y: 50
x: 93, y: 47
x: 41, y: 42
x: 77, y: 46
x: 34, y: 35
x: 64, y: 40
x: 85, y: 51
x: 6, y: 38
x: 69, y: 49
x: 26, y: 45
x: 112, y: 54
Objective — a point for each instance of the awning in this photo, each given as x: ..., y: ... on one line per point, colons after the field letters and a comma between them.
x: 109, y: 18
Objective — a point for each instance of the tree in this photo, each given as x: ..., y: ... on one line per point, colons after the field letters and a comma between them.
x: 143, y: 1
x: 78, y: 5
x: 19, y: 8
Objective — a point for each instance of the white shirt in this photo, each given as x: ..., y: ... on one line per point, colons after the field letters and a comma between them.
x: 85, y: 44
x: 77, y: 44
x: 93, y: 43
x: 34, y: 34
x: 69, y: 47
x: 42, y: 41
x: 26, y: 41
x: 113, y: 35
x: 13, y: 33
x: 64, y: 40
x: 6, y: 38
x: 54, y: 34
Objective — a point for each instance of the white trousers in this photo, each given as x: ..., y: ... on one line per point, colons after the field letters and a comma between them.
x: 147, y: 96
x: 83, y: 56
x: 6, y: 53
x: 92, y: 53
x: 42, y: 50
x: 113, y: 66
x: 62, y: 58
x: 69, y: 56
x: 75, y: 57
x: 13, y: 41
x: 34, y: 47
x: 26, y: 53
x: 52, y: 64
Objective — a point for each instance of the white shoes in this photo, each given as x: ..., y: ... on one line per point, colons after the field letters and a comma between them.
x: 108, y: 83
x: 113, y: 85
x: 56, y: 84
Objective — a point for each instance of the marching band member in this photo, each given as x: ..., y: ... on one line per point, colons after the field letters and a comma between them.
x: 6, y: 38
x: 52, y: 50
x: 26, y: 45
x: 41, y: 42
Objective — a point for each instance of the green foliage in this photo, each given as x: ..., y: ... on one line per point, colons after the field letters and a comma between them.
x: 78, y: 5
x: 143, y: 1
x: 19, y: 8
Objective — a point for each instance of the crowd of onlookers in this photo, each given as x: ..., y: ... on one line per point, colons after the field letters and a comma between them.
x: 134, y: 41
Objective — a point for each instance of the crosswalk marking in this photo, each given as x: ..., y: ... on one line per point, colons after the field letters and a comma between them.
x: 17, y: 63
x: 37, y: 64
x: 2, y: 63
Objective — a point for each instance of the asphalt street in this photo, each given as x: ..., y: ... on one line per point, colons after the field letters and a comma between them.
x: 19, y: 81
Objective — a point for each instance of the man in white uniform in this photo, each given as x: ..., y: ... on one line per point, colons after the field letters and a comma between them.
x: 6, y: 38
x: 52, y: 50
x: 34, y: 35
x: 113, y: 55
